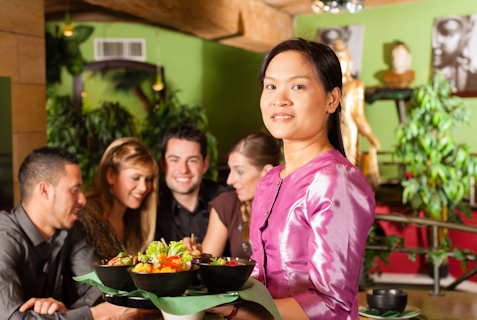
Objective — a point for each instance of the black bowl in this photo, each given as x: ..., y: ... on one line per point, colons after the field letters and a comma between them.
x: 116, y: 277
x: 387, y: 300
x: 219, y: 279
x: 169, y: 284
x: 205, y: 257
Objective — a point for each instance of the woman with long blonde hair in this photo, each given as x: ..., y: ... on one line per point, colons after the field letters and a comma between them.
x: 120, y: 215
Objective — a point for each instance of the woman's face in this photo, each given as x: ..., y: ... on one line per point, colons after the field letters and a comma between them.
x: 244, y: 176
x: 131, y: 185
x: 294, y: 103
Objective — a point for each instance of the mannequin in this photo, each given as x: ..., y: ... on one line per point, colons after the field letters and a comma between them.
x: 401, y: 75
x: 353, y: 119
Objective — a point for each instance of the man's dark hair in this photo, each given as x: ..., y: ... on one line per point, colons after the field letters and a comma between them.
x: 43, y: 164
x: 187, y: 132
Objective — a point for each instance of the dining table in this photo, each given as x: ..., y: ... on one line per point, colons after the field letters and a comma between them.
x: 453, y: 305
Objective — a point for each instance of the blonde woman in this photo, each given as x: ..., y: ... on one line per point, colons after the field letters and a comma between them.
x: 120, y: 215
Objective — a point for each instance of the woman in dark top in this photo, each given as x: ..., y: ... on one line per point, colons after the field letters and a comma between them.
x: 249, y: 160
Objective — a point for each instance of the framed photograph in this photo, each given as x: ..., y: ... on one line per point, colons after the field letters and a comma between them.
x: 454, y: 51
x: 352, y: 36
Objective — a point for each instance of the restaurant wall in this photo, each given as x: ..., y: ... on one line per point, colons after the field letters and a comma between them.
x: 22, y: 59
x: 231, y: 92
x: 411, y: 23
x: 222, y: 79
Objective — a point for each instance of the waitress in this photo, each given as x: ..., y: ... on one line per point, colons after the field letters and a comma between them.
x: 311, y: 215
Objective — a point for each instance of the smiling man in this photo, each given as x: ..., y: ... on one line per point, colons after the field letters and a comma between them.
x: 41, y: 241
x: 183, y: 206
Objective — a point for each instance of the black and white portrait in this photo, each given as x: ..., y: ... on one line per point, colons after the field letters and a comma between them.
x: 352, y: 36
x: 454, y: 50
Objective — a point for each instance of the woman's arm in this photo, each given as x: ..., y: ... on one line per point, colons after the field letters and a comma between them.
x: 216, y: 236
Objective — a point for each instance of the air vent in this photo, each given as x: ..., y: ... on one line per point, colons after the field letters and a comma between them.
x: 119, y: 48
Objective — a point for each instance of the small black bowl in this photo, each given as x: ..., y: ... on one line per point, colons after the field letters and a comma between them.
x: 116, y: 277
x: 220, y: 279
x: 169, y: 284
x: 385, y: 300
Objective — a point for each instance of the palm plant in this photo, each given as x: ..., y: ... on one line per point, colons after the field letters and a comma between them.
x: 64, y: 51
x: 125, y: 80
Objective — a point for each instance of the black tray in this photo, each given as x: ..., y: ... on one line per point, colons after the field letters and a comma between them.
x: 130, y: 302
x: 143, y: 303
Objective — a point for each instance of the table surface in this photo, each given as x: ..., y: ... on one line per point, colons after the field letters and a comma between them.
x: 454, y: 305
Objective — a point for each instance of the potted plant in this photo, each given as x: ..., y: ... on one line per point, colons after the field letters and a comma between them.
x: 439, y: 169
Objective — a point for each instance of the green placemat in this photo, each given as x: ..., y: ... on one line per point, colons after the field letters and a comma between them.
x: 389, y: 314
x: 252, y: 290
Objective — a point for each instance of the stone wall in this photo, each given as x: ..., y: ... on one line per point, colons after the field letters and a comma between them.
x: 22, y: 59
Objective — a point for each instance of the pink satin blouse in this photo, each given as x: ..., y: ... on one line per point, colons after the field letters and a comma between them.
x: 308, y: 234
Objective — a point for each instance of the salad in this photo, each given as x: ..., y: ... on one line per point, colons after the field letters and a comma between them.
x: 162, y: 258
x: 223, y: 262
x: 123, y: 259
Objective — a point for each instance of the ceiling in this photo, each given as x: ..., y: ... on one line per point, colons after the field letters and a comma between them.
x: 254, y: 25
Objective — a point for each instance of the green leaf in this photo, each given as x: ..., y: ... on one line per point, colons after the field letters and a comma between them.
x: 436, y: 256
x: 458, y: 254
x: 82, y: 33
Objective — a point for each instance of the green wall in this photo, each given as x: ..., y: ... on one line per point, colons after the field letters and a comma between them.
x: 411, y: 23
x: 6, y: 171
x: 231, y: 92
x: 222, y: 79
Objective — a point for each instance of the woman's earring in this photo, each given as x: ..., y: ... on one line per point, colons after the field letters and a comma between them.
x: 111, y: 190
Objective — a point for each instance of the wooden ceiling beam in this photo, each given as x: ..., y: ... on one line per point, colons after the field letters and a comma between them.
x: 262, y: 27
x: 208, y: 19
x: 82, y: 11
x: 247, y: 24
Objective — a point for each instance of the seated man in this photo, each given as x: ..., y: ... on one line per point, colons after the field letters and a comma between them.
x: 40, y: 239
x: 183, y: 205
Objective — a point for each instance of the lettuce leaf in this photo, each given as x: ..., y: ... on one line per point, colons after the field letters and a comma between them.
x: 176, y: 247
x: 155, y: 249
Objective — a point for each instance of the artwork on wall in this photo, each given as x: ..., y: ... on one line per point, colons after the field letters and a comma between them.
x: 454, y: 50
x: 352, y: 36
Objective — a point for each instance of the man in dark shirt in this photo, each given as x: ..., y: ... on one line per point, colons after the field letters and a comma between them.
x: 183, y: 206
x: 41, y: 238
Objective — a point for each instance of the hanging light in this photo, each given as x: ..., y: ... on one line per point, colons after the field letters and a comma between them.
x: 159, y: 84
x: 317, y: 6
x: 355, y: 6
x: 68, y: 29
x: 337, y: 6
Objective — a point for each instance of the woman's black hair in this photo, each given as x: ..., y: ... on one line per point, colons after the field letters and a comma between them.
x: 327, y: 68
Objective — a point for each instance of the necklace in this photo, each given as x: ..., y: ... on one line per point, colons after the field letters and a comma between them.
x: 319, y: 152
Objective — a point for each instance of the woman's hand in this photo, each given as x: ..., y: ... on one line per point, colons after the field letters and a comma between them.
x: 188, y: 243
x: 43, y: 306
